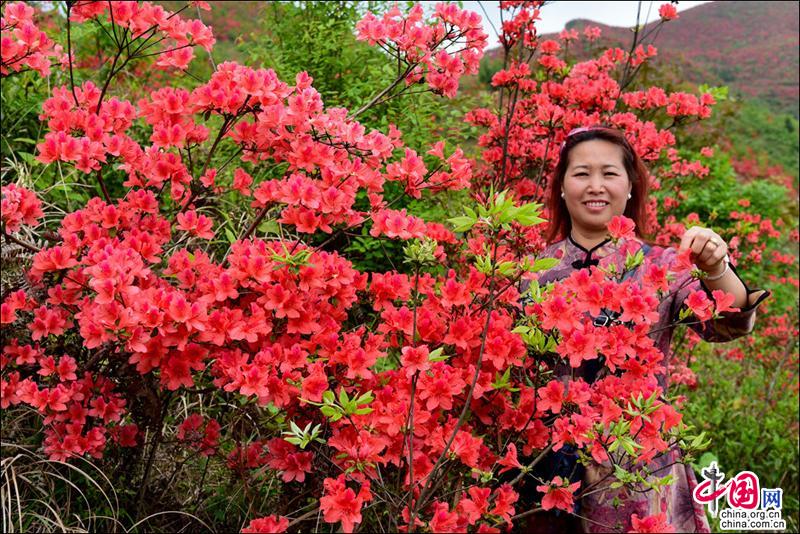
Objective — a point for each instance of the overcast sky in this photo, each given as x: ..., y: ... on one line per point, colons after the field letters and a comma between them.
x: 554, y: 15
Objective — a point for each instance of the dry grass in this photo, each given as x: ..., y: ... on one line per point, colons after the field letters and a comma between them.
x: 41, y: 495
x: 52, y: 496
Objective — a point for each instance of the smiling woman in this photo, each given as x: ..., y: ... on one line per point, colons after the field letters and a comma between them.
x: 598, y: 179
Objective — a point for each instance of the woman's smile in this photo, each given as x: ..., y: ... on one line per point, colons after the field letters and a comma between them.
x: 596, y: 206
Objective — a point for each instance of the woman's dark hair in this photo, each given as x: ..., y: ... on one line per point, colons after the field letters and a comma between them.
x: 560, y: 222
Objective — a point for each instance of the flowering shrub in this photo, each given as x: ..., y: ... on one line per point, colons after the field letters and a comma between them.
x: 394, y: 400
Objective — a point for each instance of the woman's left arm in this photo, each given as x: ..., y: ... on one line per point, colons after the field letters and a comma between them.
x: 729, y: 282
x: 710, y: 254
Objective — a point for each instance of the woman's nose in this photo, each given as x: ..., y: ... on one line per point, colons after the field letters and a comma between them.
x: 595, y: 182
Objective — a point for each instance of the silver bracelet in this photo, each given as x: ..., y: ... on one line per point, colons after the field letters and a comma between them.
x: 720, y: 275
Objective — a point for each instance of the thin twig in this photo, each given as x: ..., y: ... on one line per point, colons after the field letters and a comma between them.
x: 21, y: 243
x: 69, y: 57
x: 377, y: 97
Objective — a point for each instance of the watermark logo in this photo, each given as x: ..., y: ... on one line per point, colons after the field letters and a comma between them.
x: 750, y: 507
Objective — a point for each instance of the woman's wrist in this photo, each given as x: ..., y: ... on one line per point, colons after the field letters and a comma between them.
x: 725, y: 279
x: 719, y: 271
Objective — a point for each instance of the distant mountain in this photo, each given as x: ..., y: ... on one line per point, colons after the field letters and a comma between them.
x: 750, y: 46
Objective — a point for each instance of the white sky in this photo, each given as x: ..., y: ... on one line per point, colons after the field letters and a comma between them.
x: 554, y: 15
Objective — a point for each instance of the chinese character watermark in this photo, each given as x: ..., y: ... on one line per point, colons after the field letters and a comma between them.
x: 751, y: 507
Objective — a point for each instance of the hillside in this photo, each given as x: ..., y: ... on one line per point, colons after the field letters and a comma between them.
x: 750, y: 46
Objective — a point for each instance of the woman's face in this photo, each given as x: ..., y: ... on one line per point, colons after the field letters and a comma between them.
x: 596, y: 185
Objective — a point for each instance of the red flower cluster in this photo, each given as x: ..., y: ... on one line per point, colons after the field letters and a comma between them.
x: 668, y: 11
x: 201, y: 434
x: 558, y: 494
x: 23, y: 44
x: 17, y: 206
x: 141, y: 18
x: 652, y: 523
x: 343, y: 504
x: 585, y: 93
x: 423, y: 46
x: 78, y: 413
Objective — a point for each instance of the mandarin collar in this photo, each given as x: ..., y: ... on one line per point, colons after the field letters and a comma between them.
x: 594, y: 248
x: 590, y: 257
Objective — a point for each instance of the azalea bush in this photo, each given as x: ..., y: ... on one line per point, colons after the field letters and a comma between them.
x: 202, y: 330
x: 319, y: 38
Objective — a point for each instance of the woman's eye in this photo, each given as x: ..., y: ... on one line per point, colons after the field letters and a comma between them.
x: 611, y: 174
x: 580, y: 174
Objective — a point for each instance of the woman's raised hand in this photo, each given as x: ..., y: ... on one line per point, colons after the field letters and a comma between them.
x: 708, y: 249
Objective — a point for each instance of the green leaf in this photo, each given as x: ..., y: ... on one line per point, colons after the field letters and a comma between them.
x: 483, y: 264
x: 542, y: 264
x: 507, y: 214
x: 507, y: 268
x: 365, y: 398
x: 437, y: 356
x: 230, y: 235
x: 666, y: 481
x: 462, y: 224
x: 497, y: 205
x: 269, y: 227
x: 634, y: 260
x: 629, y: 445
x: 528, y: 215
x: 621, y: 473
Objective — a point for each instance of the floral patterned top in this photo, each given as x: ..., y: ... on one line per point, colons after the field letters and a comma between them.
x: 597, y: 509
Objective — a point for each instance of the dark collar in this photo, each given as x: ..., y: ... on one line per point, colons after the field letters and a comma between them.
x: 575, y: 243
x: 587, y: 261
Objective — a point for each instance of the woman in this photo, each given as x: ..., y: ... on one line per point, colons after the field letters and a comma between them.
x: 600, y: 176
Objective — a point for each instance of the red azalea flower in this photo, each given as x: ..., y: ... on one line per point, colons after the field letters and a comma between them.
x: 558, y: 494
x: 621, y: 227
x: 652, y: 523
x: 269, y: 524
